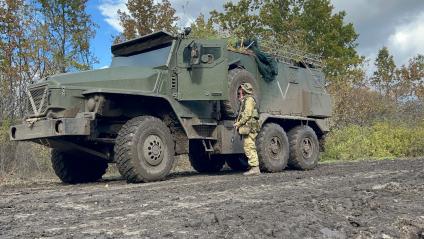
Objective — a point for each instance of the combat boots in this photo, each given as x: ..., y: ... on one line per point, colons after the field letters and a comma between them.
x: 253, y: 171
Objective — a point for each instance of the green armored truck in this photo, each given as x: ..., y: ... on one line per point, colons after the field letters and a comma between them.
x: 166, y: 95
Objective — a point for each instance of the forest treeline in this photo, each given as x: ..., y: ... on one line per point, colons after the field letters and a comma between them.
x: 43, y: 37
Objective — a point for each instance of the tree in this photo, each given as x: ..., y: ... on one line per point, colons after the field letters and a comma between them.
x: 400, y: 89
x: 239, y: 19
x: 145, y: 17
x: 202, y: 28
x: 329, y: 36
x: 22, y: 55
x: 384, y: 78
x: 306, y: 25
x: 412, y: 77
x: 419, y: 92
x: 68, y: 29
x: 312, y: 26
x: 39, y: 38
x: 10, y: 30
x: 283, y: 20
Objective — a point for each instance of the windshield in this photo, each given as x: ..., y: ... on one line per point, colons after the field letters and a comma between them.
x: 153, y: 58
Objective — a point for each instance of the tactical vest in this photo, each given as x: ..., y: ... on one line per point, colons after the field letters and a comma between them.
x: 252, y: 125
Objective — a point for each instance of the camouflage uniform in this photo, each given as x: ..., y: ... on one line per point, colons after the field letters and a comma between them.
x: 248, y: 118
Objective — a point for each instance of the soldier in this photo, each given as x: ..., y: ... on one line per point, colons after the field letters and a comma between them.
x: 248, y: 126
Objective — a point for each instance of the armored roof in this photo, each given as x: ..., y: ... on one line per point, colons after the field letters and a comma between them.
x: 141, y: 44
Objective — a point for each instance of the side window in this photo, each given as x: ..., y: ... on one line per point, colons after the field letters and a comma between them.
x: 186, y: 55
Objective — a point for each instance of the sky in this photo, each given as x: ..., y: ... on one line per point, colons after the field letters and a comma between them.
x: 397, y: 24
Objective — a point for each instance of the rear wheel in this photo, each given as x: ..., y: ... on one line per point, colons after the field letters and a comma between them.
x: 144, y: 150
x: 304, y: 148
x: 77, y: 167
x: 202, y: 161
x: 273, y: 148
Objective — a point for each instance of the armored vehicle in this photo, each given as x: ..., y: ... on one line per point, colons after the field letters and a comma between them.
x: 168, y: 94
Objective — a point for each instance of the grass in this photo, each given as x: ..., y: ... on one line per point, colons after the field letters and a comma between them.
x: 382, y: 140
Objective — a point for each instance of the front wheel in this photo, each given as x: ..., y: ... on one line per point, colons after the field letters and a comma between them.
x: 273, y: 148
x: 77, y: 167
x: 144, y: 150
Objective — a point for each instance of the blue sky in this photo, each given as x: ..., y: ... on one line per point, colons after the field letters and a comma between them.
x: 104, y: 35
x: 399, y: 25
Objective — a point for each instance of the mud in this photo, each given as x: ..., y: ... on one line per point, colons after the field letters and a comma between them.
x: 378, y: 199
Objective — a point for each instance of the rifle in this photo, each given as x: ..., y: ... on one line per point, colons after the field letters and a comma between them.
x: 237, y: 119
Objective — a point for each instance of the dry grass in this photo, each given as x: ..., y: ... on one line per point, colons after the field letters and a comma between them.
x: 24, y: 162
x: 182, y: 164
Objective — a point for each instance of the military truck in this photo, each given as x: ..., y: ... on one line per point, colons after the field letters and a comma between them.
x: 169, y: 94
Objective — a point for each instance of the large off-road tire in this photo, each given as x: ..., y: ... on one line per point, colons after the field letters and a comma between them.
x: 201, y: 161
x: 237, y: 162
x: 273, y: 148
x: 236, y: 77
x: 304, y: 148
x: 77, y: 167
x: 144, y: 150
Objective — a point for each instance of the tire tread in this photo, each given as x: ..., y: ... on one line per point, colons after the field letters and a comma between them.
x: 125, y: 161
x: 294, y: 136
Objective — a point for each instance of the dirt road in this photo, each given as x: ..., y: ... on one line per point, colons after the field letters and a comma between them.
x: 379, y: 199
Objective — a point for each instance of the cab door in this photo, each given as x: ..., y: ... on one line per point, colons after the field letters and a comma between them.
x: 202, y: 70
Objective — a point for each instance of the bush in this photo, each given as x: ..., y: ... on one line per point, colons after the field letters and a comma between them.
x: 22, y: 160
x: 380, y: 140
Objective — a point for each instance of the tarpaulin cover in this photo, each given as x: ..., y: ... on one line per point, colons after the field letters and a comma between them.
x: 267, y: 65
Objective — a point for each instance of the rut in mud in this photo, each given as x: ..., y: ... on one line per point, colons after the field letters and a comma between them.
x: 381, y: 199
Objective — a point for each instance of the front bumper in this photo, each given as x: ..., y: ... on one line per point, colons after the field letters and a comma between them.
x: 47, y: 128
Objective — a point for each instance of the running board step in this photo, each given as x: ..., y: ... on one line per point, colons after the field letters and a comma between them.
x: 208, y: 145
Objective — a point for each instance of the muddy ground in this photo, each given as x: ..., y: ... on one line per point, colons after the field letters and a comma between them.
x: 376, y: 199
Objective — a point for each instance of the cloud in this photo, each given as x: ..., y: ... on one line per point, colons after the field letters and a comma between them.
x: 383, y: 23
x: 186, y: 10
x: 408, y: 39
x: 189, y: 10
x: 109, y: 9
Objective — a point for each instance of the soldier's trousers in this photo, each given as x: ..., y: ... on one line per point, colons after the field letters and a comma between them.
x: 249, y: 147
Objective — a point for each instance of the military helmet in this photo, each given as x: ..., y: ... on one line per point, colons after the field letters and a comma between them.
x: 247, y: 87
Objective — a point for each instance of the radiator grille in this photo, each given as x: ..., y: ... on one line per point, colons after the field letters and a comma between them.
x: 36, y: 102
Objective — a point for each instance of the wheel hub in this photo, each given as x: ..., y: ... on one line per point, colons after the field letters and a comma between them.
x: 307, y: 147
x: 275, y: 147
x: 153, y: 150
